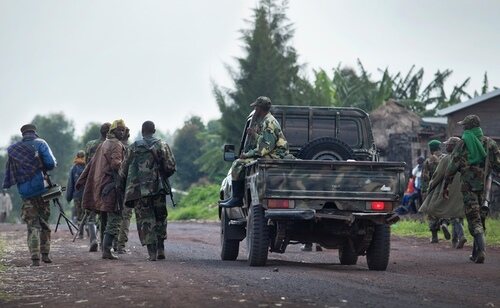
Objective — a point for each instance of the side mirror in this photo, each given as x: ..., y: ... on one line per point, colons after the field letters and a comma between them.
x: 229, y: 152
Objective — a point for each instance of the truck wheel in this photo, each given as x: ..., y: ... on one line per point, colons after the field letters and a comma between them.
x: 326, y: 148
x: 377, y: 255
x: 257, y: 236
x: 229, y: 248
x: 347, y: 255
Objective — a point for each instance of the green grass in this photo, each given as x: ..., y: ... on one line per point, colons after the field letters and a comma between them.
x: 418, y: 228
x: 199, y: 203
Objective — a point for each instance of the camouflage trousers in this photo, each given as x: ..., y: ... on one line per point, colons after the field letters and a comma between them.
x: 238, y: 168
x: 110, y: 223
x: 472, y: 201
x: 151, y: 214
x: 36, y: 213
x: 124, y: 227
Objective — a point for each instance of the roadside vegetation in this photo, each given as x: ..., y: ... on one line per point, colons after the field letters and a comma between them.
x: 419, y: 228
x: 199, y: 203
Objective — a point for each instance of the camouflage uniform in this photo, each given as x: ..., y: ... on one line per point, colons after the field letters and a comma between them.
x: 147, y: 162
x: 269, y: 143
x: 35, y: 213
x: 470, y: 157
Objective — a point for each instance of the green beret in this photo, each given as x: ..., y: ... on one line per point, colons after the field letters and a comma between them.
x: 434, y: 145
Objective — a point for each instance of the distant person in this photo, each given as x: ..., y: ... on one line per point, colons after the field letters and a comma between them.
x: 429, y: 166
x: 148, y: 165
x: 474, y: 156
x: 74, y: 194
x: 90, y: 150
x: 449, y: 209
x: 5, y: 205
x: 408, y: 202
x: 101, y: 182
x: 28, y: 161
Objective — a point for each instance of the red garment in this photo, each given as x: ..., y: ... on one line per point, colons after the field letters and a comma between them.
x: 410, y: 189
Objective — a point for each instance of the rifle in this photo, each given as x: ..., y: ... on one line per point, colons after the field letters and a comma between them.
x: 54, y: 192
x: 82, y: 223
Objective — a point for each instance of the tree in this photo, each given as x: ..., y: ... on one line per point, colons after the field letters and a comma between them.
x: 210, y: 162
x: 92, y: 131
x: 187, y: 149
x: 269, y: 69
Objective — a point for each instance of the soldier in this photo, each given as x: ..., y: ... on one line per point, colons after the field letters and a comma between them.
x: 27, y: 162
x: 90, y: 150
x: 269, y: 142
x: 430, y: 165
x: 149, y: 162
x: 470, y: 157
x: 101, y: 182
x: 435, y: 206
x: 122, y: 239
x: 71, y: 192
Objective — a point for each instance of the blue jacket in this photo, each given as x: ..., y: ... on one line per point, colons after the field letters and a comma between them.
x: 74, y: 174
x: 35, y: 186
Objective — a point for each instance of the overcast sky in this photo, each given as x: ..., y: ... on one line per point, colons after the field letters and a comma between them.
x: 154, y: 60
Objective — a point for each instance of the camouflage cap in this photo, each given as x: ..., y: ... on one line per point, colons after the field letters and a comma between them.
x: 117, y: 123
x: 262, y: 101
x: 28, y: 128
x: 452, y: 140
x: 471, y: 120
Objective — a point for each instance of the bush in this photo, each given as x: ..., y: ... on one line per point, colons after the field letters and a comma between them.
x: 199, y: 203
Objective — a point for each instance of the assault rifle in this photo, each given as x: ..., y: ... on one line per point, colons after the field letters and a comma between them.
x: 163, y: 176
x: 53, y: 193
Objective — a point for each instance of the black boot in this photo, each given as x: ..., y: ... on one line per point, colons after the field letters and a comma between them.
x: 92, y: 236
x: 45, y: 258
x: 434, y: 238
x: 236, y: 195
x: 107, y: 242
x: 152, y: 252
x: 160, y: 250
x: 480, y: 245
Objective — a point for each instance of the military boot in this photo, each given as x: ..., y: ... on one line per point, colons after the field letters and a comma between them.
x: 434, y: 238
x: 480, y: 245
x: 160, y: 250
x: 45, y: 258
x: 106, y: 247
x: 238, y: 190
x: 92, y: 237
x: 35, y: 262
x: 152, y: 251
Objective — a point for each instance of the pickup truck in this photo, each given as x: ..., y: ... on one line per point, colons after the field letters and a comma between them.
x: 335, y: 194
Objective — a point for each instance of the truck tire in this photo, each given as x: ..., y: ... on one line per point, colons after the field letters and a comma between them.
x: 326, y: 148
x: 229, y: 248
x: 347, y: 255
x: 257, y: 236
x: 377, y: 255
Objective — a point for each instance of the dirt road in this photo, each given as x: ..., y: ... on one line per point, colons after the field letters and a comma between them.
x: 419, y: 275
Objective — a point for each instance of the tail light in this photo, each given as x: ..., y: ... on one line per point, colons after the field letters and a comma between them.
x: 377, y: 205
x: 280, y: 203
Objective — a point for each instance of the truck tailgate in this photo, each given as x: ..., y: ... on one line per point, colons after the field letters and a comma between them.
x: 329, y: 180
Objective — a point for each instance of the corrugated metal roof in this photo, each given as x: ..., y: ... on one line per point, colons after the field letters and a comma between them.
x: 468, y: 103
x: 438, y: 120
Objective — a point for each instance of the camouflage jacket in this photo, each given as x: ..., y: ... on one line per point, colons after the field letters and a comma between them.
x: 147, y: 163
x: 91, y: 148
x: 271, y: 142
x: 430, y: 165
x: 472, y: 176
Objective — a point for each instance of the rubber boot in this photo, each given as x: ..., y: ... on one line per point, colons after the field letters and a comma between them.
x: 434, y: 238
x: 481, y: 254
x: 446, y: 232
x: 45, y: 258
x: 160, y: 247
x: 236, y: 196
x: 107, y: 242
x: 93, y: 237
x: 152, y: 252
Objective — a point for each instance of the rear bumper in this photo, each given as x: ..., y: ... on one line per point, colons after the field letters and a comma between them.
x: 314, y: 215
